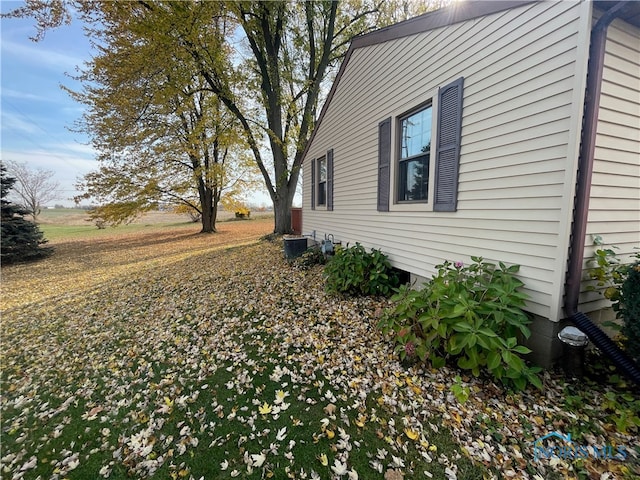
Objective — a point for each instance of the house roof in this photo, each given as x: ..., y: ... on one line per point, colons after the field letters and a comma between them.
x: 457, y: 12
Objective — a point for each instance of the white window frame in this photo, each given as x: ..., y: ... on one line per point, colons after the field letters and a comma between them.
x: 430, y: 98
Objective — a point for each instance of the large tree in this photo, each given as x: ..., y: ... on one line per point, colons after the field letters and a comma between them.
x: 190, y: 156
x: 161, y: 137
x: 34, y: 186
x: 290, y: 48
x: 284, y: 52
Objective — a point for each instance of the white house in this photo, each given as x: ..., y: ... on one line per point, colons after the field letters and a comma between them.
x: 461, y: 132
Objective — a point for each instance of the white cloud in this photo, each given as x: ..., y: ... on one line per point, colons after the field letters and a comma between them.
x: 42, y: 57
x: 62, y: 157
x: 69, y: 162
x: 81, y: 148
x: 18, y: 123
x: 7, y: 92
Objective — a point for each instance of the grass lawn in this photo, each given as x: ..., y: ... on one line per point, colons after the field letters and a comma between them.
x: 67, y: 232
x: 73, y: 223
x: 169, y: 354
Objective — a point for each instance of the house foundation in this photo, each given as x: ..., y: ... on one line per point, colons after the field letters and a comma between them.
x: 546, y: 349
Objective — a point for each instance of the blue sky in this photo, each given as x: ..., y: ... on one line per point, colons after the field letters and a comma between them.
x: 36, y: 112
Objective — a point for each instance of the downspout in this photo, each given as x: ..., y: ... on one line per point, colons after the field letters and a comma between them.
x: 595, y: 70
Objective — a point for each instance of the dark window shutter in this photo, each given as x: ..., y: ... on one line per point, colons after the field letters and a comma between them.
x: 330, y: 179
x: 448, y: 146
x: 384, y: 164
x: 313, y: 184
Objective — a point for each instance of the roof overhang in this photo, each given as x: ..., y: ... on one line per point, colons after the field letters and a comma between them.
x: 455, y: 13
x: 630, y: 12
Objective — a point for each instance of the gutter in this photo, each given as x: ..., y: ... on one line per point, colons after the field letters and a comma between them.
x: 595, y: 70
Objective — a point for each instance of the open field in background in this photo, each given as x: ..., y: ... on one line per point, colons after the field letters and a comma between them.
x: 77, y: 216
x: 69, y: 223
x: 162, y: 353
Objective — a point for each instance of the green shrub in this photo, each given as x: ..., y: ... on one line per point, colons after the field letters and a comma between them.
x: 354, y: 271
x: 628, y: 308
x: 471, y: 314
x: 311, y: 257
x: 620, y: 283
x: 605, y: 270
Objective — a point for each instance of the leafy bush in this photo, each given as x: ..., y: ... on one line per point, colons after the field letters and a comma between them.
x: 628, y: 308
x: 472, y: 314
x: 605, y: 270
x: 311, y: 257
x: 354, y: 271
x: 620, y: 283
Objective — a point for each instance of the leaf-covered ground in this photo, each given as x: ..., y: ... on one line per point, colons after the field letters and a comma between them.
x: 176, y: 356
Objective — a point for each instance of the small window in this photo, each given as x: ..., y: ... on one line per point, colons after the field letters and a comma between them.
x: 415, y: 151
x: 322, y: 181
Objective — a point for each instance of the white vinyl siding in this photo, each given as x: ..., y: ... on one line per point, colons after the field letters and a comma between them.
x: 523, y: 70
x: 614, y: 208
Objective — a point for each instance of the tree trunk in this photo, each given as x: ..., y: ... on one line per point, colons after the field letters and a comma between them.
x: 282, y: 212
x: 208, y: 222
x: 282, y: 206
x: 209, y: 209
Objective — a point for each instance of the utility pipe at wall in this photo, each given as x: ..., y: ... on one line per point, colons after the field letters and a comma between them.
x: 595, y: 71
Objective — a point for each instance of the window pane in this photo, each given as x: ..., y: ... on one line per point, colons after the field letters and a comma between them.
x: 322, y: 193
x: 322, y: 170
x: 322, y: 181
x: 416, y: 134
x: 414, y: 179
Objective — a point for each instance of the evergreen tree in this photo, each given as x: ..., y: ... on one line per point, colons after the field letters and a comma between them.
x: 21, y: 239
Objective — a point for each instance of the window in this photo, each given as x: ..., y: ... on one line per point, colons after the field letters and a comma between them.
x: 322, y: 181
x: 415, y: 151
x: 413, y: 163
